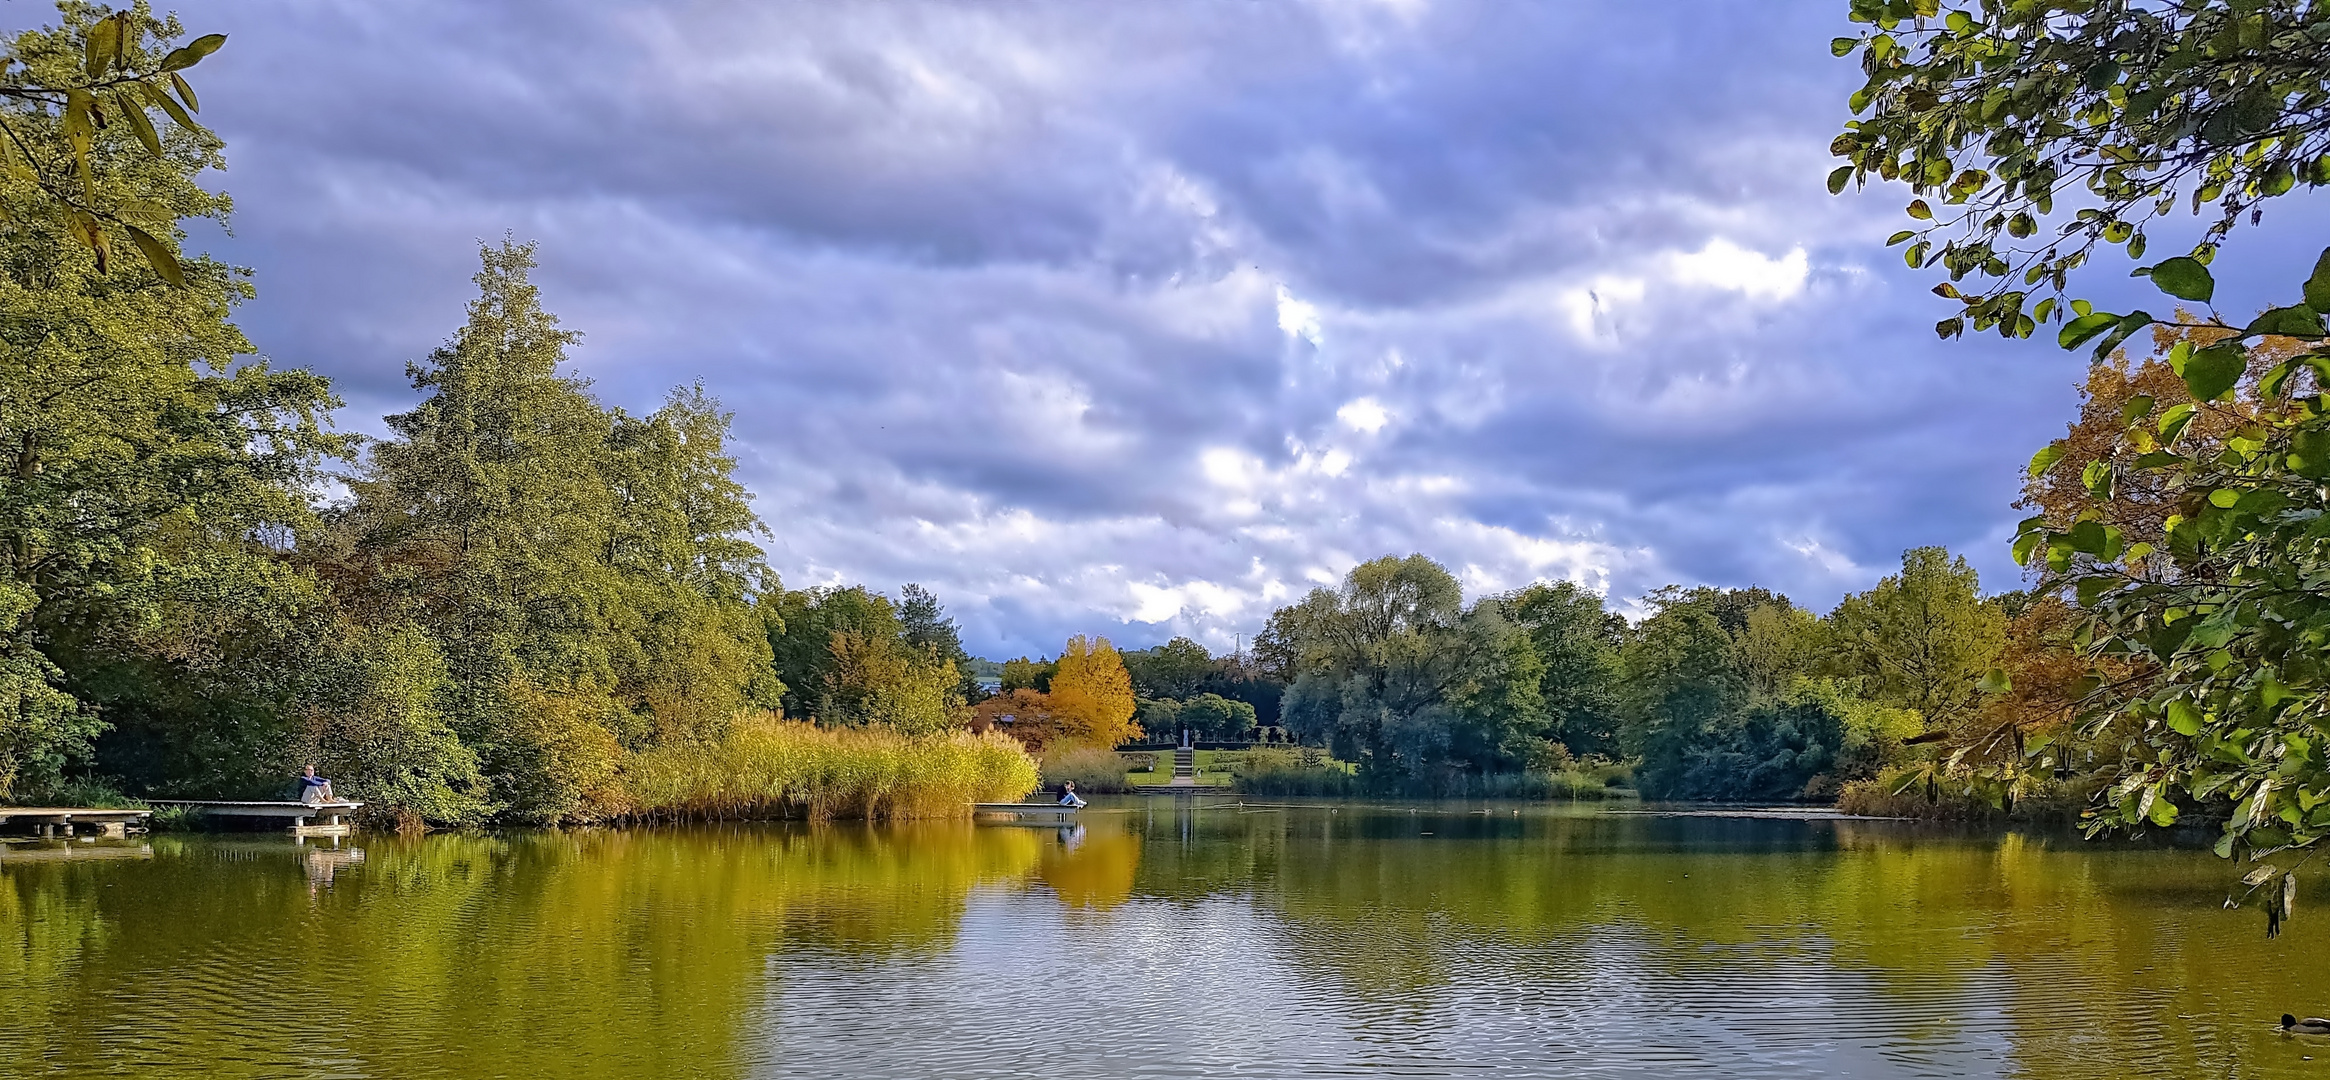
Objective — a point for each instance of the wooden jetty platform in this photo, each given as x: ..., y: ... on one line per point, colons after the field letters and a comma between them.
x: 334, y: 814
x: 52, y: 821
x: 1045, y: 813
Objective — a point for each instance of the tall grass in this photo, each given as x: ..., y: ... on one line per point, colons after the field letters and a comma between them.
x: 770, y: 768
x: 1094, y: 772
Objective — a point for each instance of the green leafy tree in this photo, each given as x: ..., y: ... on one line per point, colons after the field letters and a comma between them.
x: 1160, y: 718
x: 848, y: 658
x: 155, y: 477
x: 680, y: 542
x: 587, y: 576
x: 1780, y: 644
x: 487, y: 520
x: 377, y: 721
x: 1678, y: 683
x: 1215, y: 717
x: 1577, y: 642
x: 1025, y: 674
x: 803, y: 625
x: 1392, y: 670
x: 1922, y: 639
x: 42, y: 728
x: 1178, y: 669
x: 1721, y: 699
x: 924, y: 623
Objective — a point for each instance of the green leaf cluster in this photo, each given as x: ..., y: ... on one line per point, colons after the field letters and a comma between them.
x: 2129, y: 111
x: 76, y: 105
x: 2228, y: 629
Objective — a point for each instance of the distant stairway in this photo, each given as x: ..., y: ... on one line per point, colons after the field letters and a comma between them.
x: 1184, y: 767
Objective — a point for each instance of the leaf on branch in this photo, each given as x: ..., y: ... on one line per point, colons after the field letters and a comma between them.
x: 2214, y: 371
x: 158, y: 255
x: 104, y: 44
x: 186, y: 90
x: 2183, y: 277
x: 2084, y: 327
x: 2297, y: 320
x: 138, y: 123
x: 2318, y: 286
x: 2046, y: 458
x: 2183, y: 718
x: 2128, y: 324
x: 177, y: 115
x: 191, y: 53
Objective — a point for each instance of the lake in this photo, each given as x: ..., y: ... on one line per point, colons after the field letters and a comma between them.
x: 1158, y: 940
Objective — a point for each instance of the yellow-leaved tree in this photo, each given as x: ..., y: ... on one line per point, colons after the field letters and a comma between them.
x: 1093, y: 694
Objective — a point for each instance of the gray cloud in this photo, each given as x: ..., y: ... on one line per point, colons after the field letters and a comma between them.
x: 1141, y: 319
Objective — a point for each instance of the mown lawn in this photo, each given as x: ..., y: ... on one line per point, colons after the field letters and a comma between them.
x: 1207, y: 775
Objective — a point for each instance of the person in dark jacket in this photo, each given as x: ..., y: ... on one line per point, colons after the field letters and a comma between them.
x: 315, y: 789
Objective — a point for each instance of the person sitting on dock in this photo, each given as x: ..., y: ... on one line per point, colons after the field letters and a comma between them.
x: 1068, y: 794
x: 315, y: 790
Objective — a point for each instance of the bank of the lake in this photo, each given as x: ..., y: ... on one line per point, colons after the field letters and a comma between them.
x: 1163, y: 938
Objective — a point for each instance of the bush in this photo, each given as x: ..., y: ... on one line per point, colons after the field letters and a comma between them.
x: 1566, y: 784
x: 769, y: 768
x: 94, y: 794
x: 1287, y: 771
x: 2052, y: 800
x: 1094, y: 772
x: 1300, y: 780
x: 175, y: 819
x: 1275, y: 771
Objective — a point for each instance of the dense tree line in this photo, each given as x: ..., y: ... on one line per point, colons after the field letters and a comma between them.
x: 1717, y: 693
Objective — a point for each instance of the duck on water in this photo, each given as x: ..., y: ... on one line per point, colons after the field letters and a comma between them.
x: 2312, y: 1025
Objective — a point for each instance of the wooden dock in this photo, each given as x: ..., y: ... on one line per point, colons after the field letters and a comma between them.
x: 54, y: 821
x: 334, y: 814
x: 1034, y: 813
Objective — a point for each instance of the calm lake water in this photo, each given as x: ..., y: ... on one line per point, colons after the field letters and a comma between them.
x: 1158, y: 941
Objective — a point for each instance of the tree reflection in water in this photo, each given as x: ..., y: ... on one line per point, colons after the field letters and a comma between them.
x: 1160, y: 940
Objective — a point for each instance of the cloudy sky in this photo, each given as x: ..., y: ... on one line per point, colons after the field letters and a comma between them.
x: 1141, y: 319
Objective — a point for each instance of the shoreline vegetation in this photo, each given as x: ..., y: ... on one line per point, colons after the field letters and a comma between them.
x: 765, y: 767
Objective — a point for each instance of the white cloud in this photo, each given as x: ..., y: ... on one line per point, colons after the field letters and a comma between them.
x: 1364, y: 414
x: 1296, y: 317
x: 1725, y: 265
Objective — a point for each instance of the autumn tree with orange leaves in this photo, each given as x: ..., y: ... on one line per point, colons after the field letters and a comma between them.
x: 2091, y: 468
x: 1090, y: 703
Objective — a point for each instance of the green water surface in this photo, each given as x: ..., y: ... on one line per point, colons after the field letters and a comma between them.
x: 1162, y: 938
